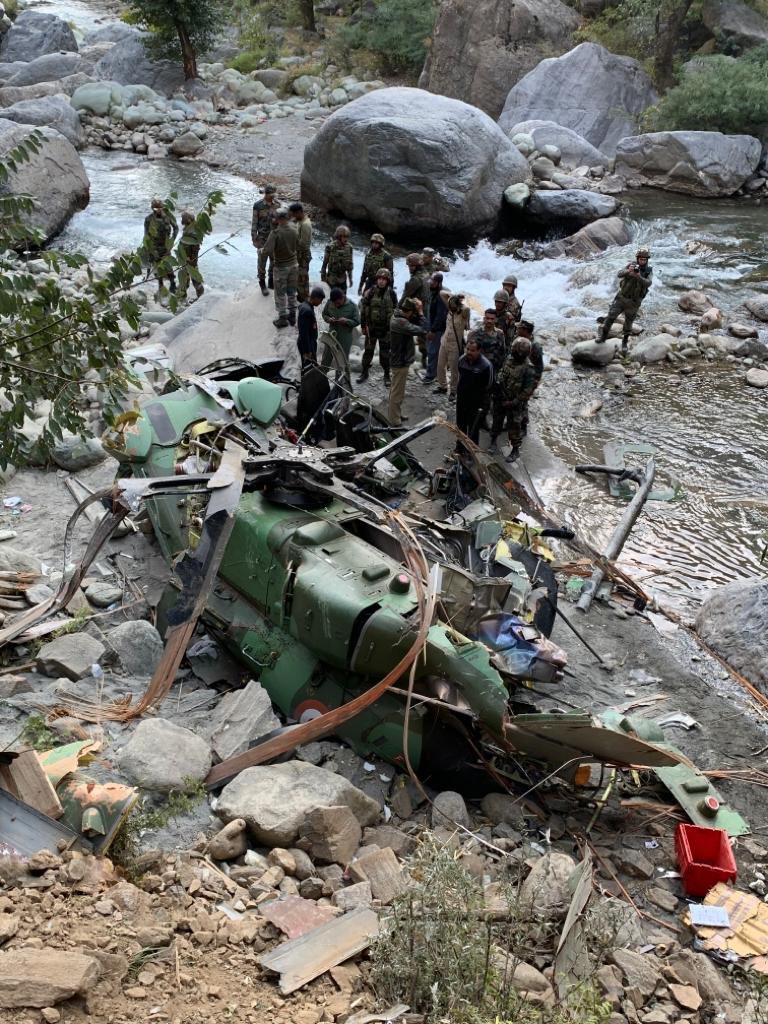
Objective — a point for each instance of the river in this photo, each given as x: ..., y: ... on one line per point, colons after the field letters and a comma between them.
x: 707, y: 427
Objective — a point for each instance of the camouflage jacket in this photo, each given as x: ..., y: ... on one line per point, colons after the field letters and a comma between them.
x: 374, y: 261
x: 337, y: 262
x: 377, y: 308
x: 517, y: 381
x: 417, y: 287
x: 632, y: 288
x: 160, y: 229
x: 304, y: 233
x: 262, y: 220
x: 282, y: 245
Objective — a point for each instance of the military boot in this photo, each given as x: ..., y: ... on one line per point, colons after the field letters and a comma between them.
x: 292, y: 318
x: 263, y: 286
x: 282, y: 321
x: 387, y: 380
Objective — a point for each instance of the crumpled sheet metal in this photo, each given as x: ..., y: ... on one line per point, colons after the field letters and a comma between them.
x: 747, y: 937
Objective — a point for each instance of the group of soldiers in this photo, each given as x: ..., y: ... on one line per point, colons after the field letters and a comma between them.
x: 160, y: 231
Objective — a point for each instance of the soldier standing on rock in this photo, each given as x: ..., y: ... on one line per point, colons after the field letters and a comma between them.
x: 160, y: 229
x: 634, y: 281
x: 336, y: 270
x: 514, y: 307
x: 188, y: 254
x: 376, y: 258
x: 281, y: 247
x: 376, y: 309
x: 262, y: 222
x: 516, y: 382
x: 303, y: 226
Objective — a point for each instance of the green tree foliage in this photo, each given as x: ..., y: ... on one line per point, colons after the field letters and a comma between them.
x: 397, y: 33
x: 55, y: 345
x: 181, y: 29
x: 722, y: 95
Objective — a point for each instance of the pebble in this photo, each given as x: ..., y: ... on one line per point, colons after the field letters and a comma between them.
x: 102, y: 595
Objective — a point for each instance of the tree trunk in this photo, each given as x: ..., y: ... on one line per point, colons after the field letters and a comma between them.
x: 188, y: 55
x: 667, y: 37
x: 308, y: 15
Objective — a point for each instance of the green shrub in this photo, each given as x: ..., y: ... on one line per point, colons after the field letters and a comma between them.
x: 246, y: 61
x: 723, y: 95
x: 397, y: 33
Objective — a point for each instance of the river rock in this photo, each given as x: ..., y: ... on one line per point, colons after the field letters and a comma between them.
x: 480, y: 48
x: 694, y: 163
x: 34, y: 34
x: 593, y: 353
x: 19, y: 560
x: 545, y: 890
x: 570, y: 208
x: 112, y: 32
x: 70, y: 655
x: 143, y: 114
x: 757, y: 378
x: 138, y: 646
x: 51, y: 111
x: 275, y: 800
x: 10, y: 94
x: 758, y: 307
x: 575, y: 151
x: 694, y: 301
x: 733, y: 620
x: 711, y: 320
x: 55, y: 177
x: 739, y: 330
x: 654, y: 349
x: 449, y: 811
x: 517, y: 195
x: 48, y: 68
x: 596, y: 93
x: 415, y: 177
x: 543, y: 168
x: 162, y: 757
x: 42, y: 977
x: 592, y: 239
x: 129, y: 63
x: 307, y: 85
x: 273, y: 78
x: 188, y: 144
x: 240, y: 718
x: 97, y: 97
x: 75, y: 453
x: 736, y: 22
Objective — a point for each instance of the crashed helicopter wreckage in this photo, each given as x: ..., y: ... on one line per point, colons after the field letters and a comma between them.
x: 295, y: 560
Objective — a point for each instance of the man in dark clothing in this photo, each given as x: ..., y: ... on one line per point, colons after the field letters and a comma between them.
x: 282, y: 247
x: 262, y: 222
x: 417, y: 287
x: 307, y: 339
x: 515, y: 385
x: 634, y: 281
x: 303, y: 226
x: 160, y: 230
x: 376, y: 309
x: 436, y: 319
x: 342, y: 316
x: 475, y: 382
x: 377, y: 258
x: 188, y: 255
x: 313, y: 394
x: 492, y: 345
x: 407, y: 323
x: 525, y: 330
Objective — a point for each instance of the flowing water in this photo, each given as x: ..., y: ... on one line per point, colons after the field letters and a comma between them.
x: 708, y: 428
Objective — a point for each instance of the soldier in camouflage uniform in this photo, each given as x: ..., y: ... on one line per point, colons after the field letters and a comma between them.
x: 634, y: 281
x: 188, y: 254
x: 504, y: 320
x: 376, y: 258
x: 432, y: 263
x: 515, y: 384
x: 281, y: 247
x: 417, y: 287
x: 303, y: 226
x: 160, y: 229
x: 376, y: 311
x: 336, y: 270
x: 514, y: 308
x: 262, y: 222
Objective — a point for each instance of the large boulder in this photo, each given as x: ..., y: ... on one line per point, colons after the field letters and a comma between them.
x: 42, y: 977
x: 49, y: 111
x: 275, y: 800
x: 34, y: 34
x: 591, y: 240
x: 411, y: 162
x: 758, y: 307
x: 480, y: 48
x: 10, y: 94
x: 594, y: 92
x: 694, y: 163
x: 740, y: 24
x: 163, y: 757
x: 575, y: 151
x: 49, y: 68
x: 569, y: 209
x: 55, y: 177
x: 129, y: 63
x: 654, y: 349
x: 593, y: 353
x: 97, y: 97
x: 138, y: 646
x: 733, y: 621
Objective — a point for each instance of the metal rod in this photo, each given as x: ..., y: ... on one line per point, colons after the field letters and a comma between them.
x: 571, y: 626
x: 619, y: 535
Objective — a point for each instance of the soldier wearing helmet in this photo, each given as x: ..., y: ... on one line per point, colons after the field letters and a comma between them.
x: 262, y: 222
x: 433, y: 263
x: 504, y: 320
x: 376, y: 311
x: 515, y: 307
x: 634, y: 281
x: 376, y: 258
x: 417, y: 287
x: 160, y: 230
x: 516, y: 382
x: 337, y: 260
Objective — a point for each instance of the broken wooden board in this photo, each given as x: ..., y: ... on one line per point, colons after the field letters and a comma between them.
x: 23, y: 776
x: 299, y: 961
x: 295, y: 916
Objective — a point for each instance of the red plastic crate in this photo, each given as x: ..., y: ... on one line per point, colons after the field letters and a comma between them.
x: 705, y: 858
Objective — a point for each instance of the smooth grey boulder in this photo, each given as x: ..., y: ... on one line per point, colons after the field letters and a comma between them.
x: 758, y: 307
x: 49, y: 68
x: 112, y: 32
x: 51, y: 112
x: 275, y: 799
x: 138, y: 647
x: 71, y: 655
x: 573, y: 208
x: 10, y: 94
x: 411, y: 162
x: 654, y: 349
x: 481, y: 48
x: 55, y: 177
x: 75, y: 453
x: 97, y: 97
x: 596, y: 93
x: 129, y: 63
x: 705, y: 164
x: 733, y: 621
x: 187, y: 144
x: 735, y: 21
x: 162, y: 757
x: 592, y: 353
x: 592, y: 239
x: 273, y: 78
x: 34, y: 34
x: 575, y: 151
x: 449, y: 811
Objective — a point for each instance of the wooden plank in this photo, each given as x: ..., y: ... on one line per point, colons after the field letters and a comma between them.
x: 24, y: 777
x: 299, y: 961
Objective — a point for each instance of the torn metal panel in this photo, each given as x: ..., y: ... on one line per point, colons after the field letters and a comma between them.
x: 695, y: 793
x: 25, y: 831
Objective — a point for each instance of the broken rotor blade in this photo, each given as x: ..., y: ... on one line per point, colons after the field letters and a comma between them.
x: 370, y: 458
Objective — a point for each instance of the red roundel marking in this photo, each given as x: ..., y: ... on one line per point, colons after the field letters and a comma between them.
x: 310, y: 705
